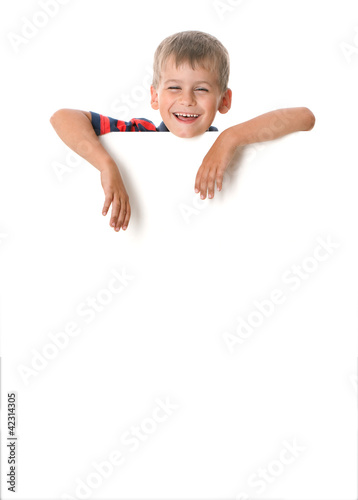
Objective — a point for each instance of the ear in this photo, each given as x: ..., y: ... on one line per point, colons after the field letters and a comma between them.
x: 225, y: 103
x: 154, y: 98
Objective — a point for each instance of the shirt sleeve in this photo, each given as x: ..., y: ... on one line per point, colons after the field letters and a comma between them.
x: 105, y: 124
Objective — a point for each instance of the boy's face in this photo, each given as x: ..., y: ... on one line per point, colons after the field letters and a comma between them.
x: 188, y: 91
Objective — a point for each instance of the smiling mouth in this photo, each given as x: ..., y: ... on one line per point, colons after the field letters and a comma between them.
x: 186, y: 117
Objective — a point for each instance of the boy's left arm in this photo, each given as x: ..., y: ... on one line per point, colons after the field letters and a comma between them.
x: 265, y: 127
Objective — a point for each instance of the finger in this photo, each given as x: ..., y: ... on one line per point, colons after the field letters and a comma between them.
x: 107, y: 204
x: 219, y: 180
x: 198, y: 180
x: 121, y: 215
x: 115, y: 211
x: 127, y: 217
x: 203, y: 186
x: 211, y: 184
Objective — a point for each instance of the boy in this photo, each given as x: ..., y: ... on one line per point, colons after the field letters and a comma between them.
x: 190, y: 84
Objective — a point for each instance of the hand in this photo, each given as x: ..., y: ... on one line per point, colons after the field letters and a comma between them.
x: 116, y: 194
x: 214, y: 165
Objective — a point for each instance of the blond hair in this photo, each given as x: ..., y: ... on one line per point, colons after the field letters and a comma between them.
x: 195, y: 48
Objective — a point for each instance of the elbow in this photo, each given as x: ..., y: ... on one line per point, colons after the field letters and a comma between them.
x: 54, y: 117
x: 60, y: 114
x: 309, y: 119
x: 64, y: 115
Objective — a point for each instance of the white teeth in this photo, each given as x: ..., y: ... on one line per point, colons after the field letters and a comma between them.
x: 186, y: 116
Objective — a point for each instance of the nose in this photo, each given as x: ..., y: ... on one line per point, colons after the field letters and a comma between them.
x: 187, y: 98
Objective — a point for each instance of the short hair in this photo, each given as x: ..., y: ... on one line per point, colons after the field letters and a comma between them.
x: 195, y: 48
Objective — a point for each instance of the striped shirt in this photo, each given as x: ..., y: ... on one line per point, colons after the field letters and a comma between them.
x: 104, y: 124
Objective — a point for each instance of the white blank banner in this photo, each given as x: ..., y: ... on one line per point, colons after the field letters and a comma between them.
x: 207, y: 352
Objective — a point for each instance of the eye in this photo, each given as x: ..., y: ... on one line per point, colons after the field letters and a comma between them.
x: 202, y: 89
x: 173, y: 88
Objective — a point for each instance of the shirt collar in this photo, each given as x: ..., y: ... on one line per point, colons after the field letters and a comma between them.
x: 163, y: 128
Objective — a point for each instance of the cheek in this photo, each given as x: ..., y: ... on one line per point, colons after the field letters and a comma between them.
x: 212, y: 106
x: 211, y: 101
x: 165, y: 102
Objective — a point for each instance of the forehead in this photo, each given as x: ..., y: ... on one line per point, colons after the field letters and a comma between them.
x: 184, y: 71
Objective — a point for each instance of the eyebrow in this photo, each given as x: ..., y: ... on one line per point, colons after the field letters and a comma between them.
x: 181, y: 81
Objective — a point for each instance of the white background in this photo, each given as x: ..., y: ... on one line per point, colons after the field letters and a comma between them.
x: 294, y: 378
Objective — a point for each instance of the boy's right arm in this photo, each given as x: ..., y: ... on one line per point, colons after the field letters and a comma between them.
x: 75, y: 129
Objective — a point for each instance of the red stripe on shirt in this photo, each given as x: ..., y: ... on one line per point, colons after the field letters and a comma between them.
x: 147, y: 125
x: 105, y: 125
x: 121, y: 125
